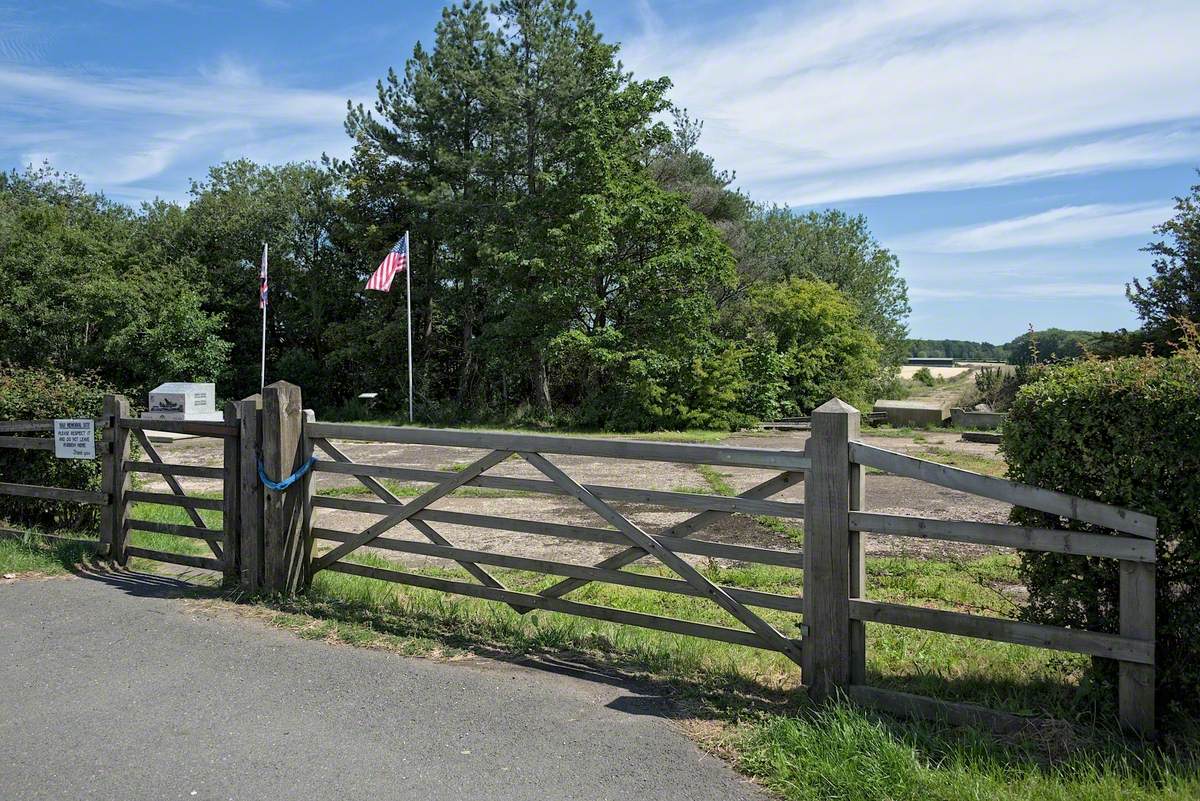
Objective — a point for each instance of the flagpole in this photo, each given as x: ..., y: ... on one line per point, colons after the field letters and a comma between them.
x: 408, y: 283
x: 262, y: 379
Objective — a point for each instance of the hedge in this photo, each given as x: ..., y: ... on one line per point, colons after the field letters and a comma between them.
x: 46, y: 394
x: 1126, y: 432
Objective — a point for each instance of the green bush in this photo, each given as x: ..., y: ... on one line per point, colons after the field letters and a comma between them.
x: 39, y: 395
x: 1125, y: 432
x: 924, y: 376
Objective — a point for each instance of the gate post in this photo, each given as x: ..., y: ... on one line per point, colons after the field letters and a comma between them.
x: 283, y: 511
x: 250, y: 495
x: 114, y: 481
x: 827, y: 559
x: 230, y: 504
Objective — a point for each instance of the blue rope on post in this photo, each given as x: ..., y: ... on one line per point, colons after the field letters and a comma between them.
x: 280, y: 486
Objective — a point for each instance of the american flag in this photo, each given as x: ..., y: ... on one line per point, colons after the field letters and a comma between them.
x: 394, y: 262
x: 262, y: 276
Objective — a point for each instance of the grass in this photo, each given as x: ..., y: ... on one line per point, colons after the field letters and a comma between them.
x: 966, y: 461
x: 32, y: 555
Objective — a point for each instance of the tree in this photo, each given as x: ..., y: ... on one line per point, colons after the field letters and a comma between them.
x: 1173, y: 291
x: 834, y: 247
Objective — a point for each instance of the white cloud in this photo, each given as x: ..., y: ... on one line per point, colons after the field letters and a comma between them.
x: 1054, y: 290
x: 816, y: 104
x: 1060, y: 226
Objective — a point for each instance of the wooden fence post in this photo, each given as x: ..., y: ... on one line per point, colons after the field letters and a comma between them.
x: 114, y: 480
x: 858, y: 576
x: 282, y: 454
x: 1135, y: 687
x: 307, y: 489
x: 827, y: 584
x: 230, y: 504
x: 250, y: 495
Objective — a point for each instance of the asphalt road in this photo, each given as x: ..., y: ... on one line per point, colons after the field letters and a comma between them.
x: 110, y: 689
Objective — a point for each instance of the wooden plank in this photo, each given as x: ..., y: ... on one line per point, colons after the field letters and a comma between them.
x: 1092, y: 643
x: 177, y: 489
x: 204, y: 562
x: 719, y: 550
x: 575, y: 446
x: 27, y: 443
x: 656, y: 549
x: 1135, y: 682
x: 907, y: 705
x: 417, y: 504
x: 54, y: 493
x: 1051, y: 540
x: 22, y: 426
x: 230, y: 502
x: 115, y: 481
x: 677, y: 500
x: 681, y: 530
x: 250, y: 495
x: 185, y: 501
x: 133, y: 524
x: 858, y: 573
x: 786, y: 603
x: 282, y: 418
x: 827, y: 550
x: 481, y: 575
x: 1043, y: 500
x: 199, y: 428
x: 605, y: 613
x: 176, y: 470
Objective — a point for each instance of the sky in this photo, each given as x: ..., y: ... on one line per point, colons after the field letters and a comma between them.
x: 1014, y: 155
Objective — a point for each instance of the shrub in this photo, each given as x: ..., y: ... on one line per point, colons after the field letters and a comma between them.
x: 924, y: 376
x: 45, y: 394
x: 1125, y: 432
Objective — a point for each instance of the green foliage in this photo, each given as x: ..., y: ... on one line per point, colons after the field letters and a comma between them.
x: 83, y: 294
x: 1126, y: 432
x: 44, y: 395
x: 956, y: 349
x: 924, y: 376
x: 1172, y: 293
x: 1050, y: 345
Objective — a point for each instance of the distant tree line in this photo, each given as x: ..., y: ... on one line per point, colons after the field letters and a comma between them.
x: 1050, y: 344
x: 576, y: 258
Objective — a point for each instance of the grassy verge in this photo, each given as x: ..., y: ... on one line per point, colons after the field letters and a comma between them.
x: 32, y: 555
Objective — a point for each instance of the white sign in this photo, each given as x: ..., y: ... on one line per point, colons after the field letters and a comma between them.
x: 75, y: 439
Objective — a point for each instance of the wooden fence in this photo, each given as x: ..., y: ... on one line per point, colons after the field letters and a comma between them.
x: 267, y: 539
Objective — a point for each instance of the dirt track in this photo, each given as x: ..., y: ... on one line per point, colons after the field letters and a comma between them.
x: 885, y: 493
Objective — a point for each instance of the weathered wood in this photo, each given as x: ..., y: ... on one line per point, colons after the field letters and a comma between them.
x: 304, y: 554
x: 1023, y: 538
x: 174, y: 529
x: 176, y: 470
x: 1043, y: 500
x: 608, y: 614
x: 116, y: 482
x: 22, y: 426
x: 907, y: 705
x: 383, y: 493
x: 203, y: 562
x: 741, y: 504
x: 27, y: 443
x: 282, y: 452
x: 186, y: 501
x: 53, y: 493
x: 685, y: 529
x: 858, y: 574
x: 230, y: 502
x: 250, y: 495
x: 417, y: 504
x: 199, y: 428
x: 576, y: 446
x: 786, y: 603
x: 1093, y: 643
x: 827, y: 550
x: 170, y: 480
x: 718, y: 550
x: 655, y: 548
x: 1135, y: 682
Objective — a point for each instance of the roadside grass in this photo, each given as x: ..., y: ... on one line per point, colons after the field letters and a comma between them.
x: 966, y: 461
x: 30, y: 554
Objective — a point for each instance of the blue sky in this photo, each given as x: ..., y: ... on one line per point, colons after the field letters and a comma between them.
x: 1014, y: 155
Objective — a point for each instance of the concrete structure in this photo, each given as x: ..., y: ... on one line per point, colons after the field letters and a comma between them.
x: 966, y: 418
x: 179, y: 400
x: 913, y: 412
